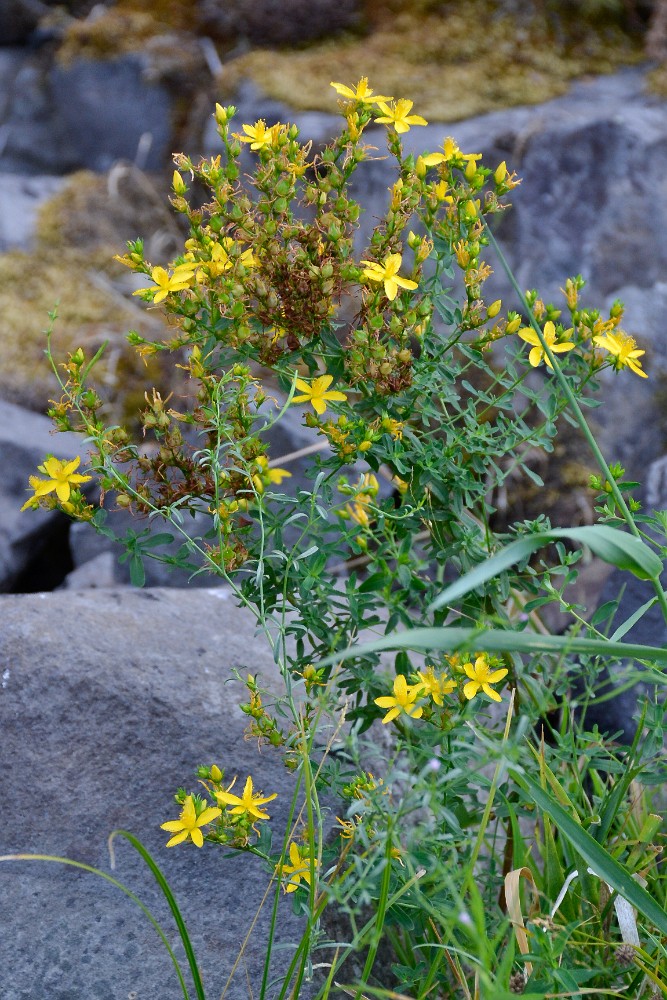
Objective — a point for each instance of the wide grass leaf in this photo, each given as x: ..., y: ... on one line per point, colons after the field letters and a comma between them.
x: 613, y: 546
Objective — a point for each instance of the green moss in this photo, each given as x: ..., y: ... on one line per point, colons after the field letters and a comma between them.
x: 466, y: 60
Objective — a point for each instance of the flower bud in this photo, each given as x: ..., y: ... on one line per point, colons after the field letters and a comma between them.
x: 178, y: 183
x: 500, y: 173
x: 494, y: 309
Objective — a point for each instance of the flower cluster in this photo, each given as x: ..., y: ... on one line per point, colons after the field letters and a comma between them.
x: 430, y: 687
x: 234, y: 817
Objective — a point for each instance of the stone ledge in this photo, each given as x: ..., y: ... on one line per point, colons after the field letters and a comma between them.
x: 108, y: 702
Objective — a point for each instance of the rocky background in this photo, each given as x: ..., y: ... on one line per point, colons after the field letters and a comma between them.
x: 100, y: 716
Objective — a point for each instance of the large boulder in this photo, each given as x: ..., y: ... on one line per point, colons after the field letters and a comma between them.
x: 108, y: 702
x: 619, y: 714
x: 112, y: 110
x: 18, y: 19
x: 32, y: 130
x: 272, y: 22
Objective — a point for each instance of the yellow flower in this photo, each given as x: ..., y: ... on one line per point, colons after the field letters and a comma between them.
x: 392, y: 427
x: 368, y: 486
x: 362, y: 92
x: 273, y: 476
x: 166, y: 283
x: 538, y: 354
x: 347, y: 828
x: 481, y: 676
x: 258, y: 135
x: 189, y: 823
x: 387, y: 273
x: 62, y: 476
x: 246, y: 803
x: 221, y: 261
x: 624, y: 351
x: 434, y: 687
x: 440, y: 190
x: 299, y: 867
x: 450, y: 151
x: 398, y: 115
x: 403, y: 700
x: 318, y: 392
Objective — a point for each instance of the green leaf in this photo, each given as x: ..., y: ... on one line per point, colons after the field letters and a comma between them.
x: 173, y: 906
x: 603, y: 612
x: 137, y: 572
x: 499, y: 641
x: 616, y: 547
x: 592, y: 853
x: 633, y: 619
x: 161, y: 538
x: 613, y: 546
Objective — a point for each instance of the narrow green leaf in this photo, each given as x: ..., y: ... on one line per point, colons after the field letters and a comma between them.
x: 173, y: 906
x: 610, y: 544
x: 499, y: 641
x: 137, y: 572
x: 93, y: 361
x: 633, y: 619
x: 161, y: 538
x: 603, y: 612
x: 616, y: 547
x: 491, y: 567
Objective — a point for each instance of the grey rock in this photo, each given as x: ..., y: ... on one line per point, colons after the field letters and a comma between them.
x: 111, y: 111
x: 28, y: 537
x: 32, y: 131
x: 18, y: 19
x: 276, y: 22
x: 98, y: 572
x: 20, y: 199
x: 619, y: 714
x: 108, y: 702
x: 631, y: 425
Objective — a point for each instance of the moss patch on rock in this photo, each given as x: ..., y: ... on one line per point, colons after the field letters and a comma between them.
x: 461, y: 61
x: 78, y: 232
